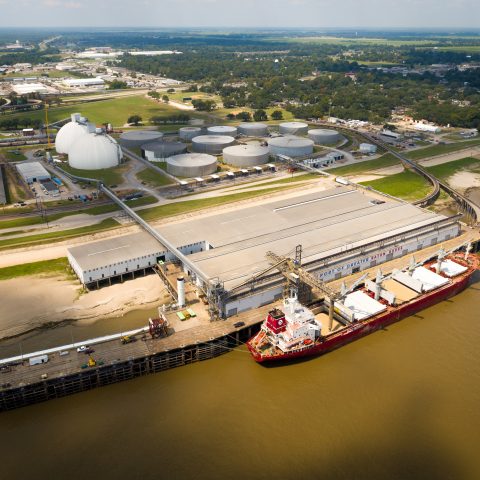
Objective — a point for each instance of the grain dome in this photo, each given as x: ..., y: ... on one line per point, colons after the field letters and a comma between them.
x: 69, y: 133
x: 213, y: 144
x: 191, y: 165
x: 253, y: 129
x: 293, y: 128
x: 290, y: 145
x: 246, y: 155
x: 94, y: 151
x: 324, y: 136
x: 222, y: 130
x: 187, y: 133
x: 137, y: 138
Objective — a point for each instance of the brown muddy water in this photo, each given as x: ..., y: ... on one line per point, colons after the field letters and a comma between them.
x: 402, y: 403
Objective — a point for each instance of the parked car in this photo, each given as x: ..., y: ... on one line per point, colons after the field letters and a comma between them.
x: 82, y: 348
x: 239, y: 324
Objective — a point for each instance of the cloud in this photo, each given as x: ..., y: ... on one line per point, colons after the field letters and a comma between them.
x: 61, y: 4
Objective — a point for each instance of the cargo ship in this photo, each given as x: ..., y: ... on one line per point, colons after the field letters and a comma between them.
x: 297, y: 331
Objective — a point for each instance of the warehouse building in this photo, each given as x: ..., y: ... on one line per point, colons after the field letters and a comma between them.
x: 32, y: 172
x: 342, y: 231
x: 84, y: 82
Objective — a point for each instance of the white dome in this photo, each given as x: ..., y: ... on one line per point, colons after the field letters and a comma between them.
x: 67, y: 135
x: 94, y: 152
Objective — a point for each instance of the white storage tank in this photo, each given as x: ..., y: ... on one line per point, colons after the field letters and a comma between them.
x: 293, y: 128
x: 368, y: 148
x: 222, y: 130
x: 137, y: 138
x: 69, y: 133
x: 191, y: 165
x: 95, y: 151
x: 324, y: 136
x: 213, y: 144
x: 158, y: 151
x: 246, y: 155
x: 291, y: 146
x: 253, y: 129
x: 187, y: 133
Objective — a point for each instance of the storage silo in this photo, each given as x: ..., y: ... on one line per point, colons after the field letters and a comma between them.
x: 69, y: 133
x: 253, y: 129
x: 324, y: 136
x: 137, y: 138
x: 187, y: 133
x: 246, y: 155
x: 293, y: 128
x: 159, y: 150
x: 290, y: 145
x: 95, y: 151
x: 191, y: 165
x: 222, y: 130
x: 213, y: 144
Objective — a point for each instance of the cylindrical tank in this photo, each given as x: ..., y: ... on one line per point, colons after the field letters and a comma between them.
x: 253, y: 129
x: 158, y: 151
x: 191, y: 165
x: 324, y: 136
x: 246, y: 155
x: 293, y: 128
x: 94, y: 151
x: 290, y: 145
x: 187, y: 133
x: 181, y: 291
x: 222, y: 130
x: 137, y: 138
x: 213, y: 144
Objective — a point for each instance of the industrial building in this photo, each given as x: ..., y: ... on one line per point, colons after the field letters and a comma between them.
x: 187, y: 133
x: 212, y: 144
x: 191, y: 165
x: 32, y: 172
x: 324, y: 136
x: 291, y: 146
x: 94, y: 151
x: 253, y: 129
x: 293, y: 128
x: 222, y: 130
x: 368, y: 148
x: 26, y: 88
x: 342, y: 231
x: 158, y: 151
x: 84, y: 82
x: 246, y: 155
x: 137, y: 138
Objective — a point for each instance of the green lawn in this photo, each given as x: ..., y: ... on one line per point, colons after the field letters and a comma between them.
x: 448, y: 169
x: 441, y: 149
x: 153, y: 178
x: 406, y: 185
x: 109, y: 176
x: 8, y: 153
x: 115, y: 111
x: 58, y: 236
x: 387, y: 160
x: 47, y: 267
x: 177, y: 208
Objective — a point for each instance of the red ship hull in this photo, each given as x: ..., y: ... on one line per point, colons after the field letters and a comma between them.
x: 360, y: 329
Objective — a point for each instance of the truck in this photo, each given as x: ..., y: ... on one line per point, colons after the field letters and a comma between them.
x: 38, y: 360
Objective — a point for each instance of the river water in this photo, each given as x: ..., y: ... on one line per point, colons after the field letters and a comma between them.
x: 402, y: 403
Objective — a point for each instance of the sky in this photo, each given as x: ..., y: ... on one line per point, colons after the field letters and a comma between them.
x: 241, y: 13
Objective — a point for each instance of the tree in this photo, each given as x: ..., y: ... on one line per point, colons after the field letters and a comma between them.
x: 117, y: 84
x: 277, y: 115
x: 244, y: 116
x: 204, y: 105
x: 154, y: 94
x: 165, y: 98
x: 135, y: 119
x: 171, y: 90
x: 231, y: 116
x: 260, y: 115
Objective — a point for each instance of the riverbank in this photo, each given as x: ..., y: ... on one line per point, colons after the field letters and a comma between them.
x: 30, y: 303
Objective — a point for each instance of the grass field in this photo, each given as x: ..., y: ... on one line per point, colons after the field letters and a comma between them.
x: 49, y: 74
x: 178, y: 208
x: 357, y: 41
x: 9, y: 155
x: 57, y: 266
x: 406, y: 185
x: 384, y: 161
x: 109, y: 176
x: 284, y: 181
x: 448, y: 169
x: 58, y: 236
x: 115, y: 111
x: 153, y: 178
x: 441, y: 149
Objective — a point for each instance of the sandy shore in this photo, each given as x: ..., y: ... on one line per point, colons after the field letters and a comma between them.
x: 31, y: 302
